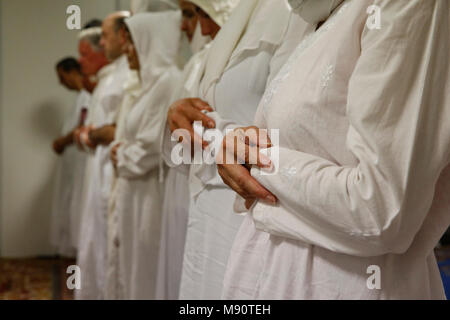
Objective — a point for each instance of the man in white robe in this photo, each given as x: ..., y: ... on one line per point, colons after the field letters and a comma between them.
x: 362, y: 180
x: 96, y: 137
x: 175, y: 213
x: 154, y: 41
x: 245, y: 54
x: 70, y: 76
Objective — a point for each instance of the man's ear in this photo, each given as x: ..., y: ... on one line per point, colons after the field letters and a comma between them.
x: 122, y: 36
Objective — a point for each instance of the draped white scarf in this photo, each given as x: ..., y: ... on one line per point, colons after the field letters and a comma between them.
x: 140, y: 6
x: 218, y: 10
x: 314, y: 11
x: 268, y: 26
x: 157, y: 38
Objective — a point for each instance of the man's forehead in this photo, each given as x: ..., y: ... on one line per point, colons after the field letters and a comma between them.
x: 107, y: 24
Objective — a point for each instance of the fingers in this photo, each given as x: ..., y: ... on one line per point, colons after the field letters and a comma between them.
x: 239, y: 179
x: 193, y: 110
x: 237, y: 150
x: 249, y: 202
x: 195, y: 114
x: 77, y: 139
x: 229, y: 181
x: 183, y: 120
x: 245, y: 154
x: 201, y: 105
x: 255, y: 136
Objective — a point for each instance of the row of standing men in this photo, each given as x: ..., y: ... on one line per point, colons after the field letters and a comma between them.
x: 153, y: 229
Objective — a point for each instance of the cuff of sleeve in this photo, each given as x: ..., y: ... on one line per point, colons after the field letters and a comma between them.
x: 260, y: 217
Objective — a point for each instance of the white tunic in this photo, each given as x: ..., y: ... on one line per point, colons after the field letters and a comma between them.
x: 175, y: 211
x: 65, y: 222
x: 235, y: 96
x: 139, y: 191
x: 364, y: 128
x: 114, y: 285
x: 91, y: 258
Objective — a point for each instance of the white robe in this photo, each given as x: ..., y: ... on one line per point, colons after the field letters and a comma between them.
x: 234, y: 92
x: 114, y: 283
x: 364, y: 139
x: 139, y: 191
x: 91, y: 258
x: 70, y: 165
x: 175, y: 213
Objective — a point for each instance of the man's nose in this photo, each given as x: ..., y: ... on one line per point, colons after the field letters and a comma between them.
x: 184, y: 25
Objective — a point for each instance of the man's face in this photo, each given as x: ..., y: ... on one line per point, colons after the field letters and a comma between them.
x: 111, y: 41
x: 91, y: 61
x: 189, y: 22
x: 209, y: 27
x: 65, y: 79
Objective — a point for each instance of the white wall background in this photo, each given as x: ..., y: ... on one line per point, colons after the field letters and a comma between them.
x: 32, y: 105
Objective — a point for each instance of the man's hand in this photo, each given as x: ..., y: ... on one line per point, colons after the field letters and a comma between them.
x: 77, y: 138
x: 59, y: 146
x: 114, y: 154
x: 102, y: 136
x: 82, y: 137
x: 183, y: 113
x: 240, y: 150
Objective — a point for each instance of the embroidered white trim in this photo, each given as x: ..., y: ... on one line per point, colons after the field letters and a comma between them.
x: 285, y: 71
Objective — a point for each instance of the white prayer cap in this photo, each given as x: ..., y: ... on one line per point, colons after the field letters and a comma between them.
x: 314, y: 11
x: 94, y: 31
x: 91, y: 35
x: 139, y: 6
x: 218, y: 10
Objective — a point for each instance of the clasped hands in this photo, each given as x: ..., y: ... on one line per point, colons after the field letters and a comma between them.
x: 92, y: 137
x: 238, y: 153
x: 81, y: 137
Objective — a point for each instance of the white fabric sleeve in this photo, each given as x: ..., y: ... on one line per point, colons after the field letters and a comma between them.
x: 398, y: 130
x: 208, y: 173
x: 167, y: 145
x: 137, y: 157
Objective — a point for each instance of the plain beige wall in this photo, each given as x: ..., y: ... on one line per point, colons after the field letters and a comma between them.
x: 33, y: 38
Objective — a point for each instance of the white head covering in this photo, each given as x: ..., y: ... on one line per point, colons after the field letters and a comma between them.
x: 140, y: 6
x: 254, y: 24
x: 314, y: 11
x: 218, y: 10
x: 257, y: 21
x: 156, y: 37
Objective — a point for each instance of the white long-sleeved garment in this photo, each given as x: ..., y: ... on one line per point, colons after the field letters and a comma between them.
x: 114, y: 280
x: 65, y: 221
x: 175, y: 213
x: 139, y: 192
x: 235, y: 95
x: 91, y: 257
x: 363, y: 118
